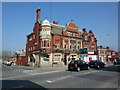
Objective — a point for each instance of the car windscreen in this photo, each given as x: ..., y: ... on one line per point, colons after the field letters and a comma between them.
x: 73, y: 62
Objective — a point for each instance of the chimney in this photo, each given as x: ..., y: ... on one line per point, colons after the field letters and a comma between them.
x: 84, y: 29
x: 38, y: 14
x: 55, y: 22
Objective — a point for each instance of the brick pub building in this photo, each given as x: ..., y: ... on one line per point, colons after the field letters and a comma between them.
x: 51, y: 44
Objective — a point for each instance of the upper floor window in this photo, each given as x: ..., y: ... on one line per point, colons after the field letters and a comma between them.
x: 30, y: 39
x: 45, y: 32
x: 92, y: 46
x: 86, y: 38
x: 78, y: 46
x: 46, y: 43
x: 76, y: 34
x: 73, y: 46
x: 33, y: 36
x: 66, y: 45
x: 85, y: 46
x: 69, y: 33
x: 92, y: 38
x: 57, y: 44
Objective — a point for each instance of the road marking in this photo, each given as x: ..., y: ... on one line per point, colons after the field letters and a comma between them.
x: 52, y: 81
x: 31, y: 74
x: 58, y: 79
x: 6, y: 78
x: 47, y: 72
x: 49, y: 81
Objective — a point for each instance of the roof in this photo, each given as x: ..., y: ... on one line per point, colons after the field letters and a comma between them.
x: 57, y: 29
x: 46, y: 23
x: 72, y: 25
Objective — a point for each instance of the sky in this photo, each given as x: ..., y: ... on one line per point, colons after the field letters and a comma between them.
x: 18, y: 19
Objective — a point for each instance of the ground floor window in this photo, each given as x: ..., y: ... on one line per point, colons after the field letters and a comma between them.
x: 57, y: 58
x: 32, y: 59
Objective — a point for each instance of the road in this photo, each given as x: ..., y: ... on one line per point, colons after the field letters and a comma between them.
x: 22, y: 77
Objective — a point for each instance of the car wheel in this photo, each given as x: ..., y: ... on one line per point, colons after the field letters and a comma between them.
x: 78, y: 69
x: 98, y: 66
x: 88, y: 68
x: 69, y: 69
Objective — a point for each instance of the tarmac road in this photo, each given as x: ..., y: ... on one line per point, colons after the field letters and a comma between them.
x: 22, y: 77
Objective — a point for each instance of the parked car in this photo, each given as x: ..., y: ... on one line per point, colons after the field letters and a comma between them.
x: 96, y: 64
x: 8, y: 63
x: 78, y: 65
x: 116, y: 61
x: 5, y: 62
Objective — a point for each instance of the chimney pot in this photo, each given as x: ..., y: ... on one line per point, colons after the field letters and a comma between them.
x: 55, y: 22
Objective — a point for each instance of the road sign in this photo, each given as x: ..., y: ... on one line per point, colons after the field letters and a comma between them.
x: 83, y: 55
x: 83, y: 51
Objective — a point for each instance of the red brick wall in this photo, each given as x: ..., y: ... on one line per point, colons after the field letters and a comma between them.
x: 21, y: 60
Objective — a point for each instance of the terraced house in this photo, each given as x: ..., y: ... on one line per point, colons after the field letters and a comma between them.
x: 51, y: 44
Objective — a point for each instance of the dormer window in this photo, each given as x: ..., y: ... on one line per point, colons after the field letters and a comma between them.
x: 86, y: 38
x: 92, y: 38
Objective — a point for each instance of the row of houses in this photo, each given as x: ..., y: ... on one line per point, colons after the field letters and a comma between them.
x: 51, y: 44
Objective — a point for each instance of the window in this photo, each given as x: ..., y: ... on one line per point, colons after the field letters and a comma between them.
x: 92, y: 46
x: 30, y: 38
x: 78, y: 46
x: 48, y: 43
x: 92, y: 38
x: 33, y: 36
x: 73, y: 34
x: 57, y: 58
x: 66, y: 45
x: 86, y: 38
x: 33, y: 48
x: 69, y: 33
x: 29, y: 49
x: 70, y: 47
x: 57, y: 43
x: 73, y: 46
x: 76, y: 35
x: 44, y: 43
x: 85, y: 46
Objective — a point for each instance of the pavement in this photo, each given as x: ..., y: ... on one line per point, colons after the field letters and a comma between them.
x: 51, y: 68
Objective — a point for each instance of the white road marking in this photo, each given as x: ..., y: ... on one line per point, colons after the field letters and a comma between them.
x: 6, y: 78
x: 49, y: 81
x: 57, y: 79
x: 52, y: 81
x: 46, y: 72
x: 31, y: 74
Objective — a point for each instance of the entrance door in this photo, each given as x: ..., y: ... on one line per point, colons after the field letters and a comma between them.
x: 65, y: 59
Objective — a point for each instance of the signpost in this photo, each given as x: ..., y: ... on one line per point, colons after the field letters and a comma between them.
x: 83, y: 52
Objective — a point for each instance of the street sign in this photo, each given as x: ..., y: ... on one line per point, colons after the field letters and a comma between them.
x: 83, y: 51
x: 83, y: 55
